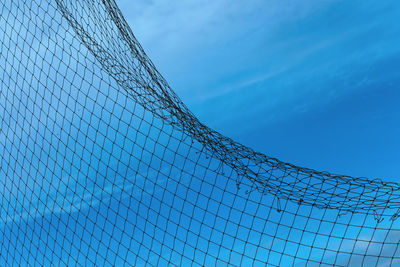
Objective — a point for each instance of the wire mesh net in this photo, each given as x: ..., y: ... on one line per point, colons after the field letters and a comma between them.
x: 102, y: 164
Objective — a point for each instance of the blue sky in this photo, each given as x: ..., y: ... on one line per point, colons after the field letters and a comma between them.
x: 311, y: 82
x: 89, y: 179
x: 315, y: 83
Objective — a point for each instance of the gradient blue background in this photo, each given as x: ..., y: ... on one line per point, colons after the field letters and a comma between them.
x: 315, y: 83
x: 311, y: 82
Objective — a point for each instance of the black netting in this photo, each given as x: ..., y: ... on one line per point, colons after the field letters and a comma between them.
x: 101, y: 163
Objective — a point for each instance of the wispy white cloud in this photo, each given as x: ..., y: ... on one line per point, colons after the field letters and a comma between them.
x: 224, y: 55
x: 184, y: 33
